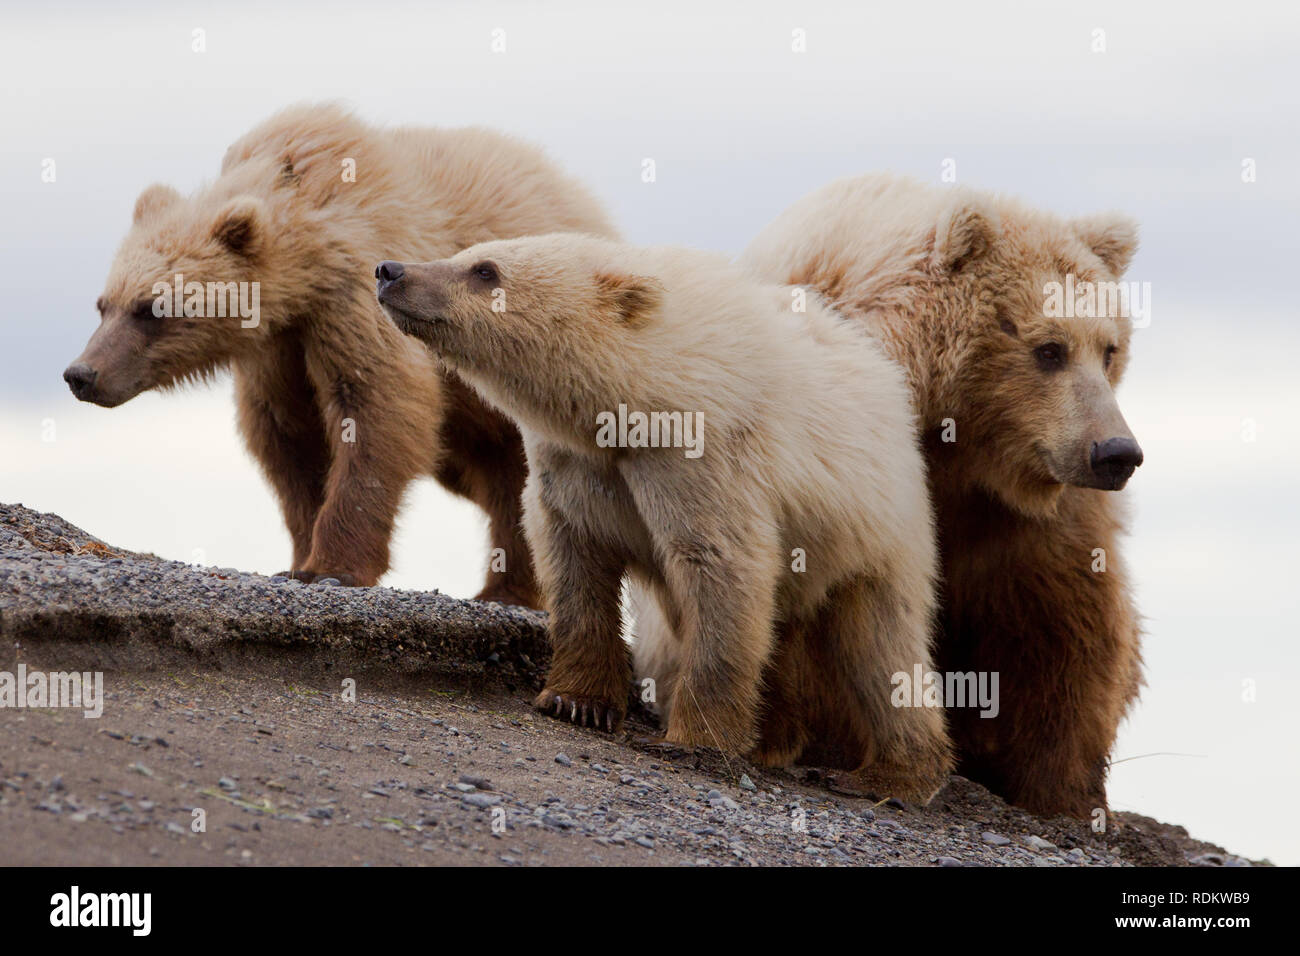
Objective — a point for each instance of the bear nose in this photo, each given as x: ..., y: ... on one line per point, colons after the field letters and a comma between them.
x: 1114, y: 459
x: 389, y: 271
x: 81, y: 379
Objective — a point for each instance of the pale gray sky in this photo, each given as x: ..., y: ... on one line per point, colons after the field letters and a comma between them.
x: 1158, y: 126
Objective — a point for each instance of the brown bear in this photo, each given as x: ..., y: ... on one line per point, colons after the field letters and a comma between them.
x: 753, y: 466
x: 1025, y: 447
x: 267, y: 271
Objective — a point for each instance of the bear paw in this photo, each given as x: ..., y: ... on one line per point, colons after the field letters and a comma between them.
x: 585, y: 711
x: 881, y: 783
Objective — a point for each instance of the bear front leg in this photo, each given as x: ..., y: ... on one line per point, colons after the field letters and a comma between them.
x: 786, y: 722
x: 591, y: 670
x: 1065, y: 679
x: 374, y: 458
x: 873, y: 629
x: 282, y: 430
x: 513, y: 581
x: 483, y: 460
x: 720, y: 566
x: 726, y: 633
x: 1045, y: 751
x: 381, y: 405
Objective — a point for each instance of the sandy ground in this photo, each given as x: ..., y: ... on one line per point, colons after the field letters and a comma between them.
x: 253, y: 721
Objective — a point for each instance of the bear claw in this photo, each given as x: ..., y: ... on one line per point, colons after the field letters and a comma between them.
x: 578, y: 709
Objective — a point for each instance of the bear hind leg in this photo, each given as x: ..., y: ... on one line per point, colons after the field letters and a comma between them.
x: 871, y: 633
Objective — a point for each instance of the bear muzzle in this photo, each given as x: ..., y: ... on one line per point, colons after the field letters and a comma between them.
x: 387, y: 273
x: 412, y: 295
x: 81, y: 379
x: 1113, y: 462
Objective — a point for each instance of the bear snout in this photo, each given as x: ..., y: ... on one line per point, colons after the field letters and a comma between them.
x: 1114, y: 460
x: 81, y: 379
x: 386, y: 273
x: 389, y: 270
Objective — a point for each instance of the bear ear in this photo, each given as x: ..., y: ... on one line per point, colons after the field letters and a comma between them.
x: 152, y: 201
x: 238, y: 225
x: 1113, y: 238
x: 963, y: 234
x: 634, y: 299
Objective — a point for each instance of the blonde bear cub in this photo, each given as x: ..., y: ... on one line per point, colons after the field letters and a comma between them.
x: 774, y: 509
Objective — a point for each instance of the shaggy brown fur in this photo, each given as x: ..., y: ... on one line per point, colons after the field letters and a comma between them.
x: 809, y: 445
x: 340, y: 409
x: 952, y: 283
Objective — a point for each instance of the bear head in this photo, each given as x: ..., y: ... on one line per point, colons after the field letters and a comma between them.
x: 548, y: 328
x: 182, y: 298
x: 1043, y: 343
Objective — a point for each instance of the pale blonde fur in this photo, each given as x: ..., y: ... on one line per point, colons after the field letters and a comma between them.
x: 339, y: 409
x: 809, y: 443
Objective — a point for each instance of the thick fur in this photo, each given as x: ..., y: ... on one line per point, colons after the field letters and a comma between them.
x: 323, y: 364
x: 951, y: 282
x: 808, y: 443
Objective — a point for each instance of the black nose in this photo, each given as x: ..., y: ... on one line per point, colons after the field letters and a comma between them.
x: 81, y: 379
x: 1114, y: 460
x: 389, y: 271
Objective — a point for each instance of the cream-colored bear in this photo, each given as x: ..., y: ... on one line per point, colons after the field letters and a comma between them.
x: 739, y: 451
x: 341, y: 412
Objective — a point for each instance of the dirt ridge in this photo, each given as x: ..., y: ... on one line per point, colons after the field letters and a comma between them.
x: 224, y: 693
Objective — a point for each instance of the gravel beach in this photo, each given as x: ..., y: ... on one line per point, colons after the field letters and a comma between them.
x: 252, y: 720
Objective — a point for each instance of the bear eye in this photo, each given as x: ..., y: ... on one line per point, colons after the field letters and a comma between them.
x: 1109, y: 356
x: 143, y: 312
x: 1050, y: 357
x: 486, y: 271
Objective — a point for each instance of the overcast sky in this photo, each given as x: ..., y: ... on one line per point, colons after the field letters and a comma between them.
x: 1158, y: 125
